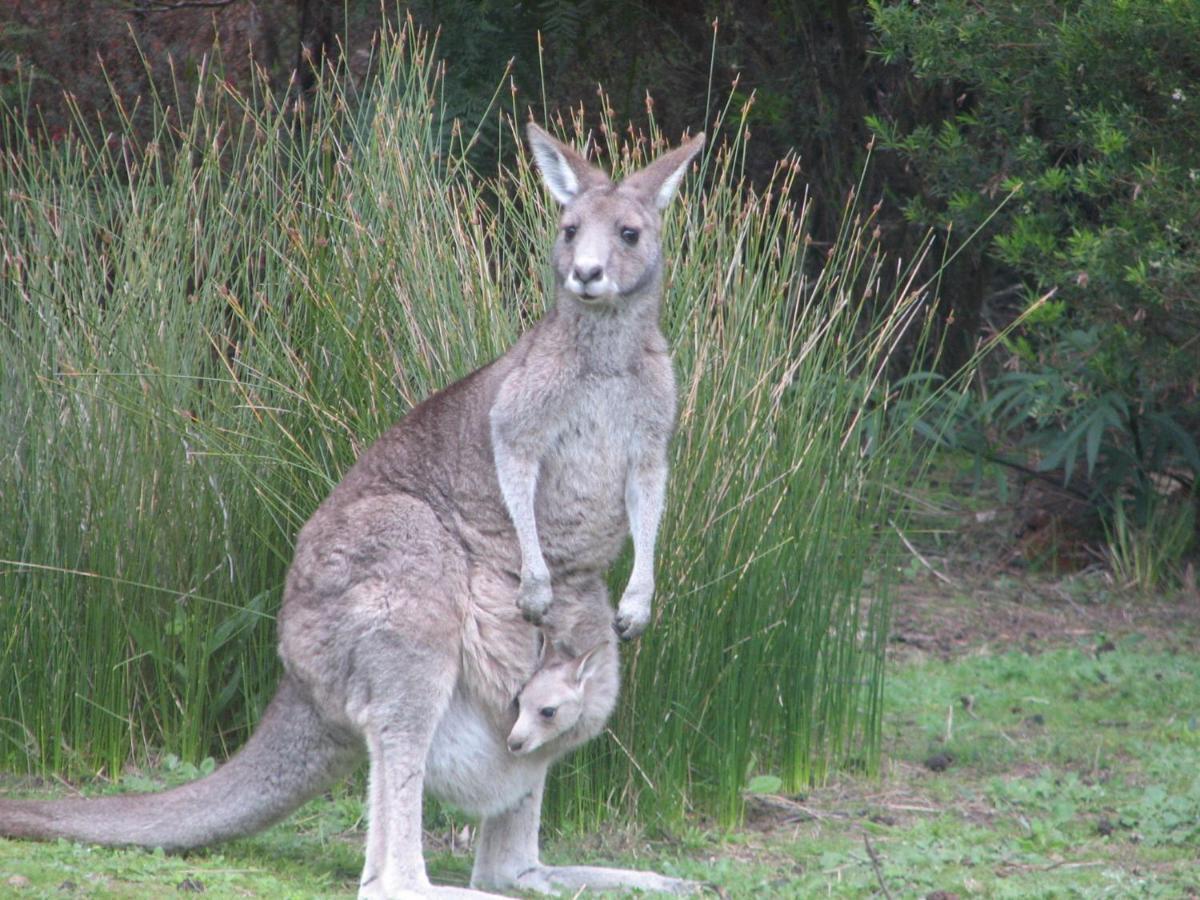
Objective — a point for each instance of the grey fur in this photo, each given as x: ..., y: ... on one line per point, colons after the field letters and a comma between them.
x: 403, y: 631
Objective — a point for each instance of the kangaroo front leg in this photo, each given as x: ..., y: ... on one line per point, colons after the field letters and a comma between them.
x: 645, y: 493
x: 517, y: 471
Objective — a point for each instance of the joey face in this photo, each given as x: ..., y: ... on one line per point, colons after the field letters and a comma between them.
x: 607, y: 246
x: 553, y: 701
x: 547, y: 707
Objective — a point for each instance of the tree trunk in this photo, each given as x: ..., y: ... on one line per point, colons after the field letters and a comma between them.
x: 317, y: 40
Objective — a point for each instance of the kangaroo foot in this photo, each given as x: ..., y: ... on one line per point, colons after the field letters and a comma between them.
x: 434, y: 892
x: 375, y: 891
x: 443, y: 892
x: 556, y: 879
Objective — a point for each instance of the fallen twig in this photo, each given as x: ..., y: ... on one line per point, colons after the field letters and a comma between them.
x: 1009, y: 868
x: 878, y: 868
x: 941, y: 576
x: 906, y: 807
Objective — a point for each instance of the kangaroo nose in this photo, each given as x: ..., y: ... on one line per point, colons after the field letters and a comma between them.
x: 515, y: 744
x: 588, y: 275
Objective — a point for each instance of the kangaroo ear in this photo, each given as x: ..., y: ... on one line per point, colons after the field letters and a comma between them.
x: 565, y: 173
x: 658, y: 182
x: 588, y: 665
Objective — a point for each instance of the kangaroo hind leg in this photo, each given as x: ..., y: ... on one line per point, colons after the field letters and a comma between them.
x: 574, y: 879
x: 507, y: 858
x: 401, y: 689
x: 398, y: 693
x: 401, y: 680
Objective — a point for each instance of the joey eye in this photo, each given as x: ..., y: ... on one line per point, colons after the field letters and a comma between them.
x: 630, y: 235
x: 547, y: 712
x: 569, y: 232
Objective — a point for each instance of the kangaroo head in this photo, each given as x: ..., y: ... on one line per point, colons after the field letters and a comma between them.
x: 553, y: 701
x: 608, y: 237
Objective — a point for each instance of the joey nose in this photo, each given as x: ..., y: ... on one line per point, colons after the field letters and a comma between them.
x: 588, y: 274
x: 515, y: 745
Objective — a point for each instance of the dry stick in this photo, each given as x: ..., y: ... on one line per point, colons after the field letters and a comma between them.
x: 908, y: 807
x: 926, y: 563
x: 153, y: 6
x: 878, y: 869
x: 1061, y: 864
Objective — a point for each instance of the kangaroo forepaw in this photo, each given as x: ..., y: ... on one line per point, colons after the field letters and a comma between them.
x: 534, y: 598
x: 633, y: 612
x: 532, y: 615
x: 630, y: 624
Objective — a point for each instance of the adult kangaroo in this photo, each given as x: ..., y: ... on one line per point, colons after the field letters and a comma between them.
x: 405, y: 625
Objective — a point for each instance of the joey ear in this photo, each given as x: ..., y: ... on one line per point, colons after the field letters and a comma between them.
x: 658, y: 182
x: 565, y: 173
x: 587, y: 665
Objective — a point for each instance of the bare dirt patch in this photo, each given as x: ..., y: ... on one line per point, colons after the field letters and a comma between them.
x: 1027, y: 572
x: 1034, y: 613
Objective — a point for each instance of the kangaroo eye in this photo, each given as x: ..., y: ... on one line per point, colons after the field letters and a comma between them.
x: 547, y: 712
x: 569, y: 232
x: 629, y: 236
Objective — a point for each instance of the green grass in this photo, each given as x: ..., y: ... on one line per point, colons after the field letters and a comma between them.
x: 196, y: 344
x: 1072, y: 774
x: 1099, y: 797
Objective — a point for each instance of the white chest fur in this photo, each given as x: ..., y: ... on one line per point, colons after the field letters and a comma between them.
x: 470, y: 767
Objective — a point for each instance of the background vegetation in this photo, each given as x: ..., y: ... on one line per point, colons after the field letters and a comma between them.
x: 1087, y: 115
x: 204, y: 323
x: 1077, y: 119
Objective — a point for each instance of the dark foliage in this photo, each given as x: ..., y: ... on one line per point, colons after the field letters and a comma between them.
x: 1087, y: 113
x: 1087, y: 116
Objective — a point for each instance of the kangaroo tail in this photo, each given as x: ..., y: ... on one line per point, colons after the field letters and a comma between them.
x: 292, y: 756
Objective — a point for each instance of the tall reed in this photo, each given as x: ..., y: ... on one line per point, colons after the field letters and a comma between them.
x: 200, y: 332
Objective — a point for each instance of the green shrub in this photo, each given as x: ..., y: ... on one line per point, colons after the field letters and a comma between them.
x: 1088, y: 114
